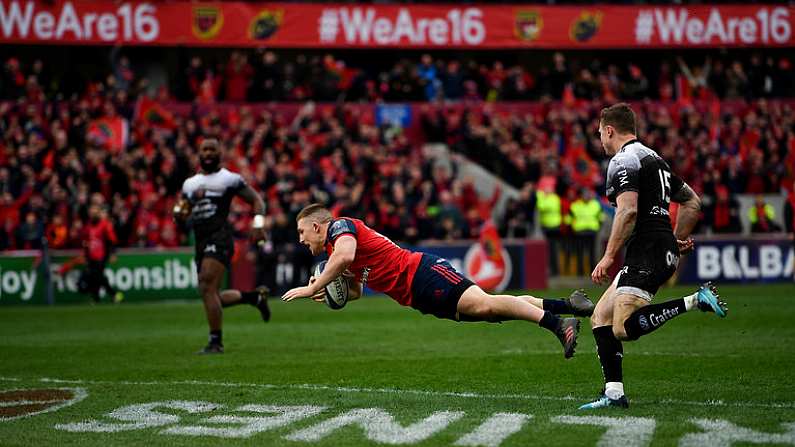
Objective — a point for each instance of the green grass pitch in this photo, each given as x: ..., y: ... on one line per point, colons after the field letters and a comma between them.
x: 310, y: 374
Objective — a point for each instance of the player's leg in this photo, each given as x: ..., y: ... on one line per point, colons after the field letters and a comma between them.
x: 632, y: 323
x: 642, y: 279
x: 477, y: 305
x: 610, y: 352
x: 577, y: 304
x: 210, y: 275
x: 257, y: 298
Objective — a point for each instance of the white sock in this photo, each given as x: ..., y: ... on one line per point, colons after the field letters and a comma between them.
x: 691, y: 301
x: 614, y: 390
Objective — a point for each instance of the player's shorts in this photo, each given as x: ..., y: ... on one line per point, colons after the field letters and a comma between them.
x: 437, y: 287
x: 219, y: 245
x: 650, y: 261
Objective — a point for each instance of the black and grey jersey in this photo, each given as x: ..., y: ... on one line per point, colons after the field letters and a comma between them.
x: 637, y: 168
x: 210, y: 196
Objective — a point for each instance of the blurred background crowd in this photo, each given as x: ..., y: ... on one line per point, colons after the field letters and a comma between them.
x: 69, y: 140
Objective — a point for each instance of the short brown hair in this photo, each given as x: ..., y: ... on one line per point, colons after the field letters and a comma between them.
x: 620, y: 116
x: 315, y: 211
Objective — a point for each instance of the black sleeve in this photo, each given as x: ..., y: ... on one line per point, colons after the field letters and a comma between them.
x: 676, y: 184
x: 340, y: 227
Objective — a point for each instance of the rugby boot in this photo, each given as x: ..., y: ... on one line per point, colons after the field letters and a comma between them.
x: 709, y: 300
x: 604, y: 402
x: 580, y: 304
x: 212, y: 348
x: 567, y: 332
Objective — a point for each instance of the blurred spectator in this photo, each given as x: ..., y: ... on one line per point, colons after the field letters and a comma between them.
x: 550, y: 216
x: 237, y: 77
x: 724, y: 214
x: 761, y: 216
x: 30, y: 233
x: 586, y: 219
x: 99, y: 240
x: 519, y: 219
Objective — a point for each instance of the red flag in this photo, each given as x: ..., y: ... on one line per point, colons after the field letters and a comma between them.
x: 110, y: 133
x: 151, y: 112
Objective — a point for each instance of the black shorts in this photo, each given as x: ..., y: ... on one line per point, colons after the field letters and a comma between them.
x: 219, y: 245
x: 437, y: 287
x: 650, y: 261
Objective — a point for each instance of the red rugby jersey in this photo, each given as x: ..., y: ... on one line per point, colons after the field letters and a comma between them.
x: 379, y: 263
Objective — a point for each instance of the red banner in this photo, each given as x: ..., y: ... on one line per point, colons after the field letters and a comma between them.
x: 416, y: 26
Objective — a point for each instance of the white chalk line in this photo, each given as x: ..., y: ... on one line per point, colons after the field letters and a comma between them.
x: 580, y: 352
x: 400, y: 391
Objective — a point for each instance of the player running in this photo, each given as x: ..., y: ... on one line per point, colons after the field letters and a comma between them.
x: 205, y: 206
x: 420, y: 280
x: 640, y: 185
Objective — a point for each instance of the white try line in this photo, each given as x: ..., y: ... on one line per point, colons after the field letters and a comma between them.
x: 398, y: 391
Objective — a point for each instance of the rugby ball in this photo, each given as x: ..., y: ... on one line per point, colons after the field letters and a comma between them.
x: 336, y: 291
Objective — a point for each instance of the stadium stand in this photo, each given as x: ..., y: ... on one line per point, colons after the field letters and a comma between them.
x: 62, y: 142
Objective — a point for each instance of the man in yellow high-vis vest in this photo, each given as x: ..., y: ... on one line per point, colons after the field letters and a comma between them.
x: 586, y: 219
x: 550, y: 217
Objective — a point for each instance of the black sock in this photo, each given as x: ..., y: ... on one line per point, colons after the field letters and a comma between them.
x: 557, y: 307
x: 215, y: 338
x: 549, y: 321
x: 610, y: 352
x: 249, y: 297
x: 648, y: 318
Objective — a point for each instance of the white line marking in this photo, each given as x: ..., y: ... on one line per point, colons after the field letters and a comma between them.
x: 79, y: 394
x: 400, y: 391
x: 379, y: 426
x: 621, y: 432
x: 494, y: 430
x: 721, y: 433
x: 139, y: 416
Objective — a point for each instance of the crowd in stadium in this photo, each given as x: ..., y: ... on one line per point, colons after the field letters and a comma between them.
x: 51, y: 167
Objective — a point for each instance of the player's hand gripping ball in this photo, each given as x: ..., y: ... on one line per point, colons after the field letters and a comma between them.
x: 336, y: 295
x: 182, y: 210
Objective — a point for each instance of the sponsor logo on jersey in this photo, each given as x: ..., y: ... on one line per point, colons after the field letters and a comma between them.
x: 485, y: 272
x: 623, y: 177
x: 210, y: 249
x: 659, y: 211
x: 265, y: 24
x: 207, y: 21
x: 528, y: 25
x: 644, y: 323
x: 585, y: 26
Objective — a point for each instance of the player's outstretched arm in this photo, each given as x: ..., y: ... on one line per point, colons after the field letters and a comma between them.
x: 623, y: 224
x: 339, y: 261
x: 689, y: 209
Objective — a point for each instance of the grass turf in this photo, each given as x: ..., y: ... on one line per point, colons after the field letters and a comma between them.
x: 376, y: 354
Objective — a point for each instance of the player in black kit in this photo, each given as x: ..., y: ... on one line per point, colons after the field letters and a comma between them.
x: 205, y: 206
x: 640, y: 185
